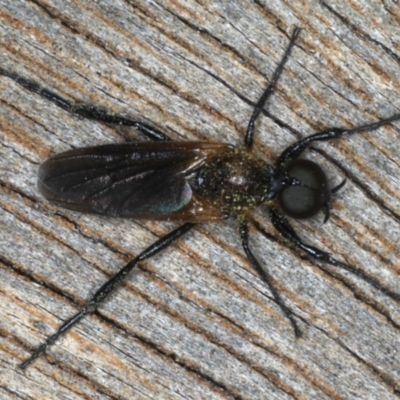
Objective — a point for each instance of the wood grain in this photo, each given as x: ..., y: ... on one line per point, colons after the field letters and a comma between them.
x: 196, y: 322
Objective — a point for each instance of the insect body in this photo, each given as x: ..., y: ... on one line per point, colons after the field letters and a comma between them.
x: 132, y: 180
x: 190, y: 182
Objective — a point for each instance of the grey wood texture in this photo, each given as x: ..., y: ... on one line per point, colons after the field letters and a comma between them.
x: 196, y: 322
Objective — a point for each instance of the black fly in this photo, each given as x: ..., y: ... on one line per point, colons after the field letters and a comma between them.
x: 190, y: 182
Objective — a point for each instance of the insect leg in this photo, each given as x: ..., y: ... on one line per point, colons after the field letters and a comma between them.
x: 328, y: 202
x: 294, y: 150
x: 244, y: 234
x: 283, y: 226
x: 86, y: 110
x: 248, y: 141
x: 102, y: 293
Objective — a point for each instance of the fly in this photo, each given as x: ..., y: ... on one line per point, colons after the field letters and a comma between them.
x: 191, y: 182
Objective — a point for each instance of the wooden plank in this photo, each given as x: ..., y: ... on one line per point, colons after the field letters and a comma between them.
x: 196, y: 322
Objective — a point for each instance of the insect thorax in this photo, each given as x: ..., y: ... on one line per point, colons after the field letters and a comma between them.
x: 234, y: 182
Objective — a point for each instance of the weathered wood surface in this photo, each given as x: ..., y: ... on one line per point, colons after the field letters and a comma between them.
x: 196, y: 322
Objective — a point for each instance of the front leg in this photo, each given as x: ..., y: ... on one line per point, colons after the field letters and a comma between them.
x: 283, y: 226
x: 297, y: 148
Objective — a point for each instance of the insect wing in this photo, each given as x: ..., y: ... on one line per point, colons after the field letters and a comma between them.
x: 137, y: 179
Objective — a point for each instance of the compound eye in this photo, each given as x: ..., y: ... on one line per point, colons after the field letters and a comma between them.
x: 304, y: 201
